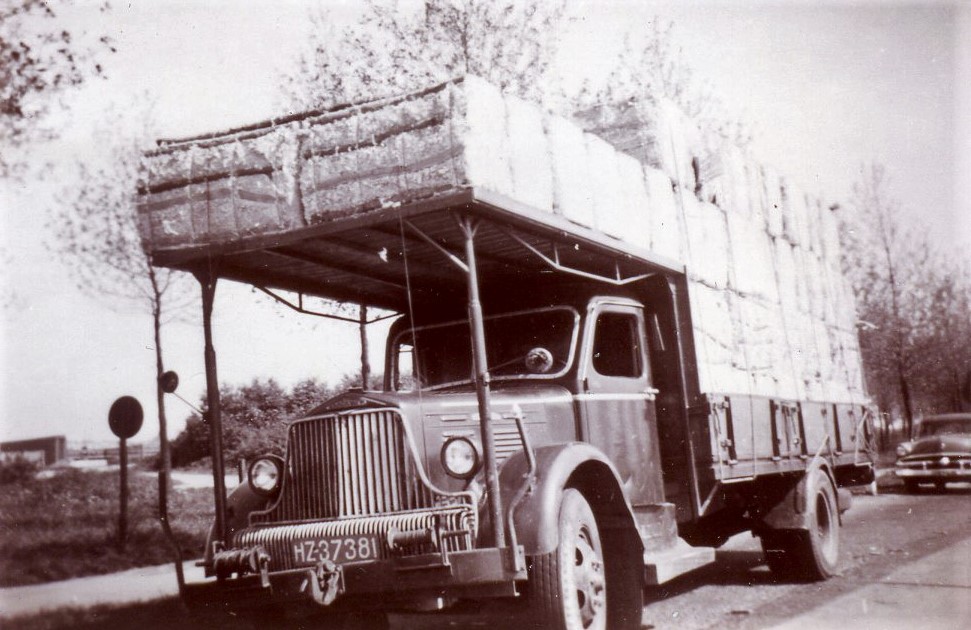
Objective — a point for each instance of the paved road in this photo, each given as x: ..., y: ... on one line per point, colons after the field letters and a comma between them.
x: 906, y: 564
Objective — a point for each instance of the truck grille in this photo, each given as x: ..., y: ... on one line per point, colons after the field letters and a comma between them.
x: 352, y: 465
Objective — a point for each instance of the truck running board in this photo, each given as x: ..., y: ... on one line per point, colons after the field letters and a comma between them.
x: 663, y: 566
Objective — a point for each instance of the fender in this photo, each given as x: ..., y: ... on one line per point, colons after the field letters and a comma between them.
x: 790, y: 513
x: 239, y: 504
x: 558, y: 466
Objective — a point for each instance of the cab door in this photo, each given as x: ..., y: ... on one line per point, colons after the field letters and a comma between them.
x: 615, y: 397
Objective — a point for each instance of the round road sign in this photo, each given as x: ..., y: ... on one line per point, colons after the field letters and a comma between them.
x: 125, y: 417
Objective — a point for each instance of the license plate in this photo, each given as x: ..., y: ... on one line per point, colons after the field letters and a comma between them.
x: 337, y: 549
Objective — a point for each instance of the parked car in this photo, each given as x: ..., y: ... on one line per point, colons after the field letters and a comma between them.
x: 939, y: 453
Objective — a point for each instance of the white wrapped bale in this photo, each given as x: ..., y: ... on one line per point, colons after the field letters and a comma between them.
x: 772, y: 188
x: 737, y: 197
x: 707, y: 252
x: 632, y: 127
x: 679, y: 145
x: 666, y: 232
x: 795, y: 210
x: 814, y: 225
x: 760, y: 331
x: 572, y: 195
x: 753, y: 268
x: 603, y: 176
x: 757, y: 192
x: 714, y: 336
x: 484, y: 136
x: 829, y: 233
x: 529, y: 155
x: 633, y: 222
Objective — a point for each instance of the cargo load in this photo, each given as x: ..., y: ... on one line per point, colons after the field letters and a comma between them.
x: 772, y: 312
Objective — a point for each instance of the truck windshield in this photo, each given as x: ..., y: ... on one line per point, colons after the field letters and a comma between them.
x: 527, y: 344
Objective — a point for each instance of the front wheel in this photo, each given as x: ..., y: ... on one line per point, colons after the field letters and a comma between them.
x: 572, y: 588
x: 811, y: 554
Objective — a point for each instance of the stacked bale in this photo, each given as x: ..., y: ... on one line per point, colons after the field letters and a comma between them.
x: 771, y: 311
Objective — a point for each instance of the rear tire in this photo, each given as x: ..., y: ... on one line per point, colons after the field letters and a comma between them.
x: 572, y: 588
x: 812, y: 554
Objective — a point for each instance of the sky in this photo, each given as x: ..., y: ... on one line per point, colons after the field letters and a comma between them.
x: 826, y: 85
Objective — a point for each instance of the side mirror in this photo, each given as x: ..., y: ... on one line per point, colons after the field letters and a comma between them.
x: 169, y: 382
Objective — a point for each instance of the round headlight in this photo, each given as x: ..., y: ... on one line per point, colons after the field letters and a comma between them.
x: 265, y: 475
x: 903, y: 450
x: 460, y: 458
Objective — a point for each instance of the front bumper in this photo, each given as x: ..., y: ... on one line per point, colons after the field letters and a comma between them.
x: 934, y: 474
x: 935, y: 467
x: 400, y: 582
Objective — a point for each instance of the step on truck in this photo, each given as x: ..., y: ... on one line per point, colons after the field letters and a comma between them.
x: 553, y: 433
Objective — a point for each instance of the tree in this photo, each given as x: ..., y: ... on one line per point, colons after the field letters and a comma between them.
x: 913, y: 302
x: 649, y: 69
x: 254, y: 419
x: 391, y: 50
x: 39, y: 62
x: 96, y: 236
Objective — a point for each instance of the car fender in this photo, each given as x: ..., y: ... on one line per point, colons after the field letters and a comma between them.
x: 559, y: 466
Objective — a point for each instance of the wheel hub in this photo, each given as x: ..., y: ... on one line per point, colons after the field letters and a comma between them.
x: 589, y: 579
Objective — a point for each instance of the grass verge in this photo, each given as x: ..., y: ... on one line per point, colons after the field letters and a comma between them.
x: 66, y: 526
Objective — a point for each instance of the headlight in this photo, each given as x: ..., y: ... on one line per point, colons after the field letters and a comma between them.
x: 460, y: 458
x: 904, y: 449
x: 265, y: 475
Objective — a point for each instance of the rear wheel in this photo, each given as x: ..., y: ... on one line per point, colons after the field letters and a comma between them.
x: 569, y: 588
x: 811, y: 554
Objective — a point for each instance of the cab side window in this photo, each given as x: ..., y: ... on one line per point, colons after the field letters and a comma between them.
x: 617, y: 346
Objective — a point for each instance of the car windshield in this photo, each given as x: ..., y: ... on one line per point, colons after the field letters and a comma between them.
x: 945, y: 427
x: 528, y: 344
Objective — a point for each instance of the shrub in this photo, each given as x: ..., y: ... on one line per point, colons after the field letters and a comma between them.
x: 17, y: 470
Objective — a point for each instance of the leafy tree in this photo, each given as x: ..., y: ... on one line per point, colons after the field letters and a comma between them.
x: 254, y: 419
x: 913, y: 303
x: 96, y: 236
x: 393, y: 50
x: 40, y: 61
x: 649, y: 69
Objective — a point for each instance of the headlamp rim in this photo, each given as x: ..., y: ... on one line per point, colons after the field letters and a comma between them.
x: 476, y: 463
x: 277, y: 461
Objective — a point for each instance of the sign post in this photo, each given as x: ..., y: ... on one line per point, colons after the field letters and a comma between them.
x: 124, y: 419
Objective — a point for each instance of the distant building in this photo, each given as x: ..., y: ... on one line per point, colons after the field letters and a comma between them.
x: 44, y: 451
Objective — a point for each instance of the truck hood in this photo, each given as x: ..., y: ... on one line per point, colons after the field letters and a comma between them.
x: 437, y: 416
x: 530, y: 399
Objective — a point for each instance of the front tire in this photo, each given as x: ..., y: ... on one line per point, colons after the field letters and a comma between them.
x: 569, y: 589
x: 812, y: 554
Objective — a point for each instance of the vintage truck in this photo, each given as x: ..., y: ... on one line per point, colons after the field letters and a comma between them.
x: 549, y: 435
